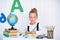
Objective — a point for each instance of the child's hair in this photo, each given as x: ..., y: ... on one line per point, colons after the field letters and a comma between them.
x: 34, y: 10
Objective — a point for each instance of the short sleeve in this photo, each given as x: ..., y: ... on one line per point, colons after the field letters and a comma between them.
x: 42, y: 30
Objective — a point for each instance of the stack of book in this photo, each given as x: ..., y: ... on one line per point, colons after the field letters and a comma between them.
x: 8, y: 32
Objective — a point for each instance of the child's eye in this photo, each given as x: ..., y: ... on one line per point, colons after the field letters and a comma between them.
x: 32, y: 17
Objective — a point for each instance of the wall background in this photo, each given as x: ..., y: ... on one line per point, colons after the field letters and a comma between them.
x: 48, y: 14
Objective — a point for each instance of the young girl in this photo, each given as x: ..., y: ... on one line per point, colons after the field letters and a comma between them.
x: 33, y: 25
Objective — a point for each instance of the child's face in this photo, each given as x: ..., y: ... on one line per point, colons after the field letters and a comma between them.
x: 32, y: 18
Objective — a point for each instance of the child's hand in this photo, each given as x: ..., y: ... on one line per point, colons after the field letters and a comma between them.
x: 33, y: 32
x: 27, y: 32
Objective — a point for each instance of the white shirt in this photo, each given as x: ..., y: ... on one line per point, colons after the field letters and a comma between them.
x: 42, y: 30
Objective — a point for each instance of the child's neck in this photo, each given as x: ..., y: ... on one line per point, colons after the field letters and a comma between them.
x: 32, y: 23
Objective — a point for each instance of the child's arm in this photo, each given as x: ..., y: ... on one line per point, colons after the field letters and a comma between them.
x: 33, y: 32
x: 27, y: 32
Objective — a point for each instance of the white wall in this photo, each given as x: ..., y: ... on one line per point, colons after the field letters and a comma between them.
x: 48, y: 12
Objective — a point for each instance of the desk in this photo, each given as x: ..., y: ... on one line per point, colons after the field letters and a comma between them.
x: 25, y: 39
x: 22, y: 38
